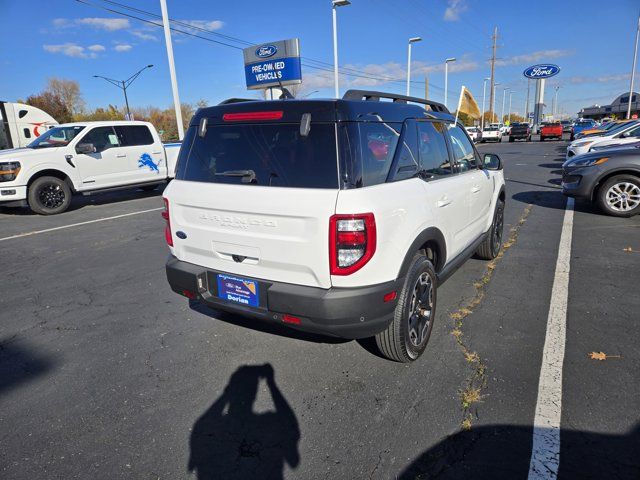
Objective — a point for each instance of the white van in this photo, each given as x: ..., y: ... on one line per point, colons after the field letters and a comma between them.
x: 20, y: 124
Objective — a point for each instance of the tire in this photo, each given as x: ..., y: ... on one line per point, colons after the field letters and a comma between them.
x: 49, y: 196
x: 529, y: 138
x: 541, y: 138
x: 510, y: 139
x: 490, y: 247
x: 149, y: 188
x: 400, y: 342
x: 618, y: 188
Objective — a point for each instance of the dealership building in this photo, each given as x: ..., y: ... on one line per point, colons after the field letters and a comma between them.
x: 617, y: 109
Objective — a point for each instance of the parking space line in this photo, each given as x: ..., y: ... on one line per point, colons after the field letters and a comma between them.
x: 545, y: 455
x: 37, y: 232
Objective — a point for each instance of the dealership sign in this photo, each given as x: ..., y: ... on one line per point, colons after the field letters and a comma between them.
x: 541, y: 71
x: 273, y: 64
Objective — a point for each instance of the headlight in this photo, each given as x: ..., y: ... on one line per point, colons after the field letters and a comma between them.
x: 9, y: 171
x: 588, y: 162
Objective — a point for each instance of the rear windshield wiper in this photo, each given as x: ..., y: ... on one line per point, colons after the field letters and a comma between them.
x: 248, y: 176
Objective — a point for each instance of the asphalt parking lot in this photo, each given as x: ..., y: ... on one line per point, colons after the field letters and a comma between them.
x: 105, y: 373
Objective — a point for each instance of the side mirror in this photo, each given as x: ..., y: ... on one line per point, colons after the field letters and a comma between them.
x: 492, y: 161
x: 85, y: 148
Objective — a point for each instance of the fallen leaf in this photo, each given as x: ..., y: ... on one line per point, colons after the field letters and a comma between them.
x: 601, y: 356
x: 628, y: 249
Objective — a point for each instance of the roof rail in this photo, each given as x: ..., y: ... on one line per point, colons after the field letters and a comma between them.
x: 236, y: 100
x: 372, y: 96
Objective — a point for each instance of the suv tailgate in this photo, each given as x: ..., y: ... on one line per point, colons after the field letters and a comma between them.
x: 269, y: 233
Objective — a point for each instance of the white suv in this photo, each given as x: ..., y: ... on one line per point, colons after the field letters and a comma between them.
x: 337, y: 217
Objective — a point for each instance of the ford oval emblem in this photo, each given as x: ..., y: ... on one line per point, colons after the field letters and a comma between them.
x: 541, y: 71
x: 181, y: 235
x: 266, y: 51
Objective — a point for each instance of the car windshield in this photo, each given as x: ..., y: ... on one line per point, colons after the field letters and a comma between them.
x: 56, y: 137
x: 620, y: 128
x: 585, y: 124
x: 491, y: 129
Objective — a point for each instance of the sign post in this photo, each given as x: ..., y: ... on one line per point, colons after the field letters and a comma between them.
x: 540, y: 73
x: 274, y: 64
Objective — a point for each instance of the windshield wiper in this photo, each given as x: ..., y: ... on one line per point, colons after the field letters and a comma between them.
x: 248, y: 176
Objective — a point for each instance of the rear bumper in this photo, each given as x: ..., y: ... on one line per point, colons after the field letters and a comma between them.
x: 341, y: 312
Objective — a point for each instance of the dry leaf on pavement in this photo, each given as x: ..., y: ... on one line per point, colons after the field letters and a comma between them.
x: 601, y: 356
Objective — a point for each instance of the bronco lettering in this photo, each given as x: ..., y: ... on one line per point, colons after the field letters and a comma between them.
x: 234, y: 221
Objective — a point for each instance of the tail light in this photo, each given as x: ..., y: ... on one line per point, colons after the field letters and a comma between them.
x: 167, y: 228
x: 248, y: 116
x: 352, y: 242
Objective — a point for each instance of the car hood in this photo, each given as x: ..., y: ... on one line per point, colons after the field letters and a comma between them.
x: 22, y: 153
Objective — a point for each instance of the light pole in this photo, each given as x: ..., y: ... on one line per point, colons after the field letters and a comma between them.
x: 554, y: 110
x: 446, y: 78
x: 504, y: 97
x: 411, y: 40
x: 124, y: 84
x: 633, y: 69
x: 510, y: 94
x: 484, y: 94
x: 335, y: 4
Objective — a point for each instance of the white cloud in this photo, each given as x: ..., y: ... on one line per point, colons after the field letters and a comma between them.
x: 108, y: 24
x: 122, y: 47
x: 96, y: 48
x: 454, y: 9
x: 60, y: 22
x: 205, y: 24
x: 143, y: 35
x: 70, y: 50
x: 615, y: 78
x: 538, y: 56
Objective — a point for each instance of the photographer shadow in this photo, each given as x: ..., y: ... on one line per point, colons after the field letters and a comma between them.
x: 232, y: 441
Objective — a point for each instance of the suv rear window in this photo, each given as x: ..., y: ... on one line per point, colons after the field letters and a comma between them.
x: 261, y: 154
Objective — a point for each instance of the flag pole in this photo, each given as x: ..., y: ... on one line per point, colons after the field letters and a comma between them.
x: 459, y: 105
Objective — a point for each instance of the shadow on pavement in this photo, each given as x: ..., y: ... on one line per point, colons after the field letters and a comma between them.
x: 19, y: 365
x: 262, y: 325
x: 554, y: 199
x: 231, y: 441
x: 504, y: 452
x: 80, y: 201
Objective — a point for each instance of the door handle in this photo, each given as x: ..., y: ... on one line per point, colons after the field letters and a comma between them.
x: 443, y: 202
x: 121, y: 156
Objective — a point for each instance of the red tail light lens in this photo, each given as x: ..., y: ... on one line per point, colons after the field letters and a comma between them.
x: 246, y: 116
x: 352, y: 242
x: 286, y: 318
x: 167, y: 228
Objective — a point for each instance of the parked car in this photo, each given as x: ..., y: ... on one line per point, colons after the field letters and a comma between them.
x: 265, y: 219
x: 551, y: 130
x: 520, y: 131
x: 581, y: 125
x: 475, y: 133
x: 609, y: 178
x: 85, y: 158
x: 491, y: 134
x: 625, y: 133
x: 567, y: 125
x: 602, y: 129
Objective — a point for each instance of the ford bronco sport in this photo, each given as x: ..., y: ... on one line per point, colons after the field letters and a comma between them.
x: 338, y: 217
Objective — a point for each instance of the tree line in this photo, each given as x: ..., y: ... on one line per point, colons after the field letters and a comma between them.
x: 62, y: 99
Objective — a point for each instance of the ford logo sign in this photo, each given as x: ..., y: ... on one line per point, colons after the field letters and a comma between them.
x: 541, y: 71
x: 266, y: 51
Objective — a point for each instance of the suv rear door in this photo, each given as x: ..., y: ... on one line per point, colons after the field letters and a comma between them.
x: 254, y: 198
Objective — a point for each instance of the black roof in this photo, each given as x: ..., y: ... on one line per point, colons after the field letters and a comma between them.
x: 356, y: 105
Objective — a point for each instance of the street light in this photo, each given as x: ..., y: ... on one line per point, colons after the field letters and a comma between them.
x: 124, y: 84
x: 484, y: 94
x: 554, y: 110
x: 335, y: 4
x: 510, y: 94
x: 446, y: 78
x: 493, y: 109
x: 411, y: 40
x: 504, y: 97
x: 633, y: 69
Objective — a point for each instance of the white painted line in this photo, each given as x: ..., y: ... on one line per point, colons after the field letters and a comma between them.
x: 545, y: 455
x: 37, y: 232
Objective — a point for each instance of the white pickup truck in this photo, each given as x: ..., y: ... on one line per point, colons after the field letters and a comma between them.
x: 84, y: 158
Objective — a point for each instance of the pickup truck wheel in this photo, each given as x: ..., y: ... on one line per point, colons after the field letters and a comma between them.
x: 620, y: 196
x: 407, y: 335
x: 49, y: 196
x: 490, y: 248
x: 510, y: 139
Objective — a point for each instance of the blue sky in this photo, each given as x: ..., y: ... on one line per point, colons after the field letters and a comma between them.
x: 592, y: 42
